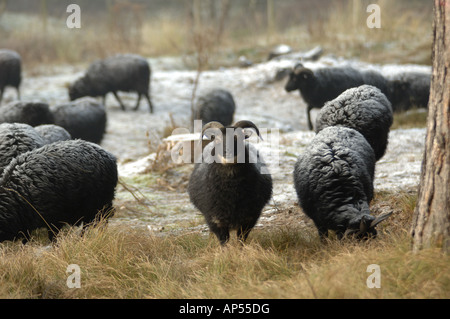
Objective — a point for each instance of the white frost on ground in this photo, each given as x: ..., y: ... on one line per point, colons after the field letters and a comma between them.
x: 258, y: 98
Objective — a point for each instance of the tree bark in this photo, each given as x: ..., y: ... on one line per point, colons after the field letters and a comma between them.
x: 431, y: 220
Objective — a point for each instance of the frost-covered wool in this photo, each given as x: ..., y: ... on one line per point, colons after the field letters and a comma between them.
x: 122, y: 72
x: 229, y: 194
x: 365, y: 109
x: 322, y: 85
x: 31, y: 113
x: 15, y: 139
x: 84, y: 119
x: 69, y: 182
x: 51, y: 133
x: 10, y: 71
x: 333, y: 179
x: 216, y: 105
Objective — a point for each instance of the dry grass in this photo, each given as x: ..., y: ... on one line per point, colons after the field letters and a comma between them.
x: 283, y: 262
x: 340, y: 27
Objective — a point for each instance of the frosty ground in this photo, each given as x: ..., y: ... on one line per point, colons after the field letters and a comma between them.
x: 158, y: 200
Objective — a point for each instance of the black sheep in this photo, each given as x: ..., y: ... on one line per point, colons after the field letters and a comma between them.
x: 228, y: 187
x: 69, y: 182
x: 216, y: 105
x: 122, y: 72
x: 364, y: 109
x: 10, y: 71
x: 51, y: 133
x: 31, y: 113
x: 333, y: 179
x: 408, y: 90
x: 15, y: 139
x: 322, y: 85
x: 84, y: 119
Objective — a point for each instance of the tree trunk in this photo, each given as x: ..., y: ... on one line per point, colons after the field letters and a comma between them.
x: 431, y: 220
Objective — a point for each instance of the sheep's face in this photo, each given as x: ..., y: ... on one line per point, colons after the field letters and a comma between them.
x: 299, y: 78
x: 228, y: 145
x: 363, y: 226
x: 76, y: 90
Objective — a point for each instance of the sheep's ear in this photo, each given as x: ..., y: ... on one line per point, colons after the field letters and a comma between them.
x: 379, y: 219
x: 211, y: 129
x: 247, y: 126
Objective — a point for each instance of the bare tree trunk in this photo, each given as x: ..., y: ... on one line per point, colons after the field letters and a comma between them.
x: 431, y: 220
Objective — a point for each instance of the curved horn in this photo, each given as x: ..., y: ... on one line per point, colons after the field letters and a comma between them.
x: 247, y: 124
x: 213, y: 124
x: 379, y: 219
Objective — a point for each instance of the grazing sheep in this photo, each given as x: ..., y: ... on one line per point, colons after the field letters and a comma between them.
x: 84, y: 119
x: 15, y: 139
x: 333, y: 179
x: 228, y: 187
x: 31, y: 113
x: 216, y: 105
x: 69, y: 182
x: 322, y: 85
x: 364, y: 109
x: 122, y: 72
x: 10, y: 71
x: 408, y: 90
x: 51, y: 133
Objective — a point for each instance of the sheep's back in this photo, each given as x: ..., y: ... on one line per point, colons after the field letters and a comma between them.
x: 125, y: 72
x: 16, y: 139
x: 365, y: 109
x: 217, y: 105
x: 331, y: 82
x: 84, y: 119
x: 66, y: 182
x: 31, y: 113
x: 336, y: 168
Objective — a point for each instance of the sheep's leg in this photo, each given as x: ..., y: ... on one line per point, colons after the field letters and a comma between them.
x: 1, y: 95
x: 308, y: 114
x: 147, y: 96
x: 120, y: 101
x: 138, y: 101
x: 18, y: 93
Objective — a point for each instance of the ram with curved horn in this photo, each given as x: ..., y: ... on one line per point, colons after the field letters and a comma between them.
x: 333, y: 179
x: 228, y: 186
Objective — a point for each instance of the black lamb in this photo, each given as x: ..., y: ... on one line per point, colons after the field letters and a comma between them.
x: 69, y: 182
x: 333, y: 179
x: 408, y: 90
x: 51, y: 133
x: 10, y: 71
x: 216, y: 105
x: 16, y: 139
x: 322, y: 85
x: 31, y: 113
x: 84, y: 119
x: 229, y: 187
x: 122, y: 72
x: 364, y: 109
